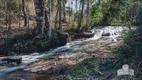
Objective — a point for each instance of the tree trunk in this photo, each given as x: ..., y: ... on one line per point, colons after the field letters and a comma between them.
x: 6, y: 13
x: 49, y: 21
x: 88, y: 15
x: 64, y: 11
x: 81, y: 16
x: 60, y: 14
x: 24, y: 13
x: 56, y: 18
x: 9, y: 15
x: 39, y: 6
x: 19, y: 13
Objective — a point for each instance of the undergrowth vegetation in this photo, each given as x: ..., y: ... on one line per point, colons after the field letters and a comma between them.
x: 27, y: 43
x: 85, y: 68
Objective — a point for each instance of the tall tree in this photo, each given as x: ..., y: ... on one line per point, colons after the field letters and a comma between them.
x: 39, y: 6
x: 60, y: 14
x: 64, y: 10
x: 9, y: 14
x: 6, y: 13
x: 88, y: 14
x: 19, y: 12
x: 81, y: 15
x: 43, y: 16
x: 56, y: 18
x: 24, y: 13
x: 49, y: 20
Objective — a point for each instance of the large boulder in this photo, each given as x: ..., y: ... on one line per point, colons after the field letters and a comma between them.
x: 63, y: 38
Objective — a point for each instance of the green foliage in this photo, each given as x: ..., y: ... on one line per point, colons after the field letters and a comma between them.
x: 115, y: 11
x: 84, y: 27
x: 107, y: 65
x: 139, y: 18
x: 74, y: 25
x: 131, y: 48
x: 95, y: 67
x: 96, y: 13
x: 85, y: 68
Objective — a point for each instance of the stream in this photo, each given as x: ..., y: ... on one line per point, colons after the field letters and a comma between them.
x: 108, y: 33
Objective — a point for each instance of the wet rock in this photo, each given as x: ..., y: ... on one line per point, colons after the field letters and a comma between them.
x: 106, y: 34
x: 4, y: 59
x: 11, y: 59
x: 63, y: 38
x: 84, y: 35
x: 3, y: 63
x: 87, y: 35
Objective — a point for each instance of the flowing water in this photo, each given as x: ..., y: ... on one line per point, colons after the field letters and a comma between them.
x: 115, y: 33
